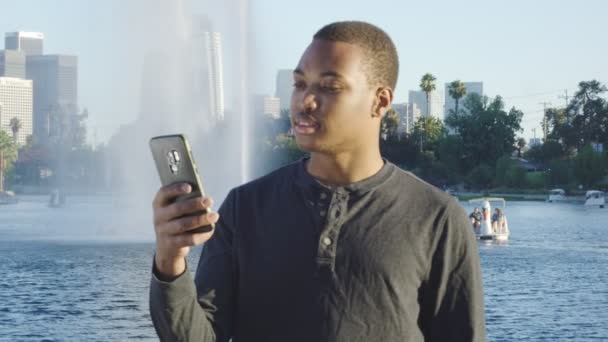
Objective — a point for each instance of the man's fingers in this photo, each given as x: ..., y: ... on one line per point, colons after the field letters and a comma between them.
x: 186, y: 239
x: 185, y: 224
x: 166, y: 194
x: 188, y: 207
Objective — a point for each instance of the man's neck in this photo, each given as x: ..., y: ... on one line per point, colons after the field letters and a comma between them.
x: 343, y: 169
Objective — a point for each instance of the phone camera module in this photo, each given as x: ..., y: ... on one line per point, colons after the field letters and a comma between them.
x: 173, y: 159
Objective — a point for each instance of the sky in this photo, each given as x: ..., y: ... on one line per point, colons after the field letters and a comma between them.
x: 526, y: 51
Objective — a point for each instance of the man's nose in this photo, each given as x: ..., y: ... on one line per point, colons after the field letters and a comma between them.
x: 308, y: 103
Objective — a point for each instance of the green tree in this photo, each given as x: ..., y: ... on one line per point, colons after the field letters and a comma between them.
x: 481, y: 176
x: 488, y: 132
x: 8, y: 153
x: 503, y: 164
x: 559, y: 173
x: 521, y: 143
x: 457, y: 90
x: 390, y: 125
x: 15, y: 125
x: 450, y: 154
x: 550, y: 150
x: 589, y: 167
x: 428, y: 129
x: 585, y: 120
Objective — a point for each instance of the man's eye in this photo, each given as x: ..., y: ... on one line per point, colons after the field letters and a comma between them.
x: 299, y: 85
x: 331, y: 88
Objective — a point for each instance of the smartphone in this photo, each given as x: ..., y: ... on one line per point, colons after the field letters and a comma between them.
x: 175, y: 164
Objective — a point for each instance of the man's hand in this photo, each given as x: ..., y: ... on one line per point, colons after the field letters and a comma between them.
x: 173, y: 236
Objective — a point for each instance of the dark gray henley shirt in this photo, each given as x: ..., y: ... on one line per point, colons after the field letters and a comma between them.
x: 389, y: 258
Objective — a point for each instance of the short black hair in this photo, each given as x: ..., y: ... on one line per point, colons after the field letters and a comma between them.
x: 379, y: 51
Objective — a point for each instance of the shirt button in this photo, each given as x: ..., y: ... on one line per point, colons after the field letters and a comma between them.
x: 323, y: 196
x: 326, y: 241
x: 322, y: 212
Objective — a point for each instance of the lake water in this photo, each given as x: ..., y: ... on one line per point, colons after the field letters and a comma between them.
x: 81, y: 273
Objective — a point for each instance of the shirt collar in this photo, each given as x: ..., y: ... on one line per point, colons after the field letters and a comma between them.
x: 307, y: 182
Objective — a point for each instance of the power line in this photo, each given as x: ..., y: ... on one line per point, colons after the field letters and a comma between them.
x: 532, y: 94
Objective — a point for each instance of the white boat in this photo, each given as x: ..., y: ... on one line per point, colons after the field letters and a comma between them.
x: 8, y: 197
x: 595, y: 198
x: 487, y: 230
x: 556, y: 195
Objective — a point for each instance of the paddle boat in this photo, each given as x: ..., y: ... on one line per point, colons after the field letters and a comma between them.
x: 488, y: 230
x: 595, y: 198
x: 556, y: 195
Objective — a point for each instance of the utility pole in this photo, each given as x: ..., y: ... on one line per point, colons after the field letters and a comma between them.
x: 545, y: 128
x: 534, y: 132
x: 565, y: 97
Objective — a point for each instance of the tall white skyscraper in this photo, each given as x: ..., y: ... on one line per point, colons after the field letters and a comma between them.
x: 55, y: 80
x: 471, y: 87
x: 418, y: 98
x: 216, y: 73
x: 16, y: 102
x: 208, y: 42
x: 284, y: 87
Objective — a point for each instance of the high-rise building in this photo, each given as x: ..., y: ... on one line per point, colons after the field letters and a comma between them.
x: 268, y: 106
x: 471, y: 87
x: 284, y: 87
x: 16, y: 102
x: 31, y: 43
x: 55, y: 80
x: 12, y: 63
x: 418, y: 98
x: 404, y: 120
x: 210, y: 42
x: 413, y: 114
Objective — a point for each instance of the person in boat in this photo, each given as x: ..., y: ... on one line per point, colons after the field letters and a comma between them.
x: 498, y: 221
x: 475, y: 217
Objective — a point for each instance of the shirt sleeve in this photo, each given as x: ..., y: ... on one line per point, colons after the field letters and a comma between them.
x: 199, y: 310
x: 451, y: 298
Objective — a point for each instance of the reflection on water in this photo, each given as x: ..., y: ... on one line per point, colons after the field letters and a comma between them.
x: 549, y: 282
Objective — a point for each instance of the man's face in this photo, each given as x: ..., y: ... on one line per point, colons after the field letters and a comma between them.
x: 332, y: 100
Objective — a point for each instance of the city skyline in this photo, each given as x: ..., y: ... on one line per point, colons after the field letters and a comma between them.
x: 526, y: 52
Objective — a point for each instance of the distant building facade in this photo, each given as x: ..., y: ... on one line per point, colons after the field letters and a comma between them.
x: 16, y: 102
x: 12, y: 63
x: 268, y: 106
x: 471, y: 87
x: 418, y: 99
x: 284, y: 87
x: 55, y: 85
x: 31, y: 43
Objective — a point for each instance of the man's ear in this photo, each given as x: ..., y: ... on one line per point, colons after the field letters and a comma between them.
x: 382, y: 102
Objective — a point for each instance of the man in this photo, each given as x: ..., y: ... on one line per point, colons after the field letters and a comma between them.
x: 476, y: 219
x: 342, y: 246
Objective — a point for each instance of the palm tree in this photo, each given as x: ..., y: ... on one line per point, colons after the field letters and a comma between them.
x: 430, y: 127
x: 457, y: 91
x: 427, y: 85
x: 521, y: 143
x: 7, y: 154
x: 15, y: 125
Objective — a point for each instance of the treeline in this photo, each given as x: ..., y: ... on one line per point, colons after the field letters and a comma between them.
x: 479, y: 146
